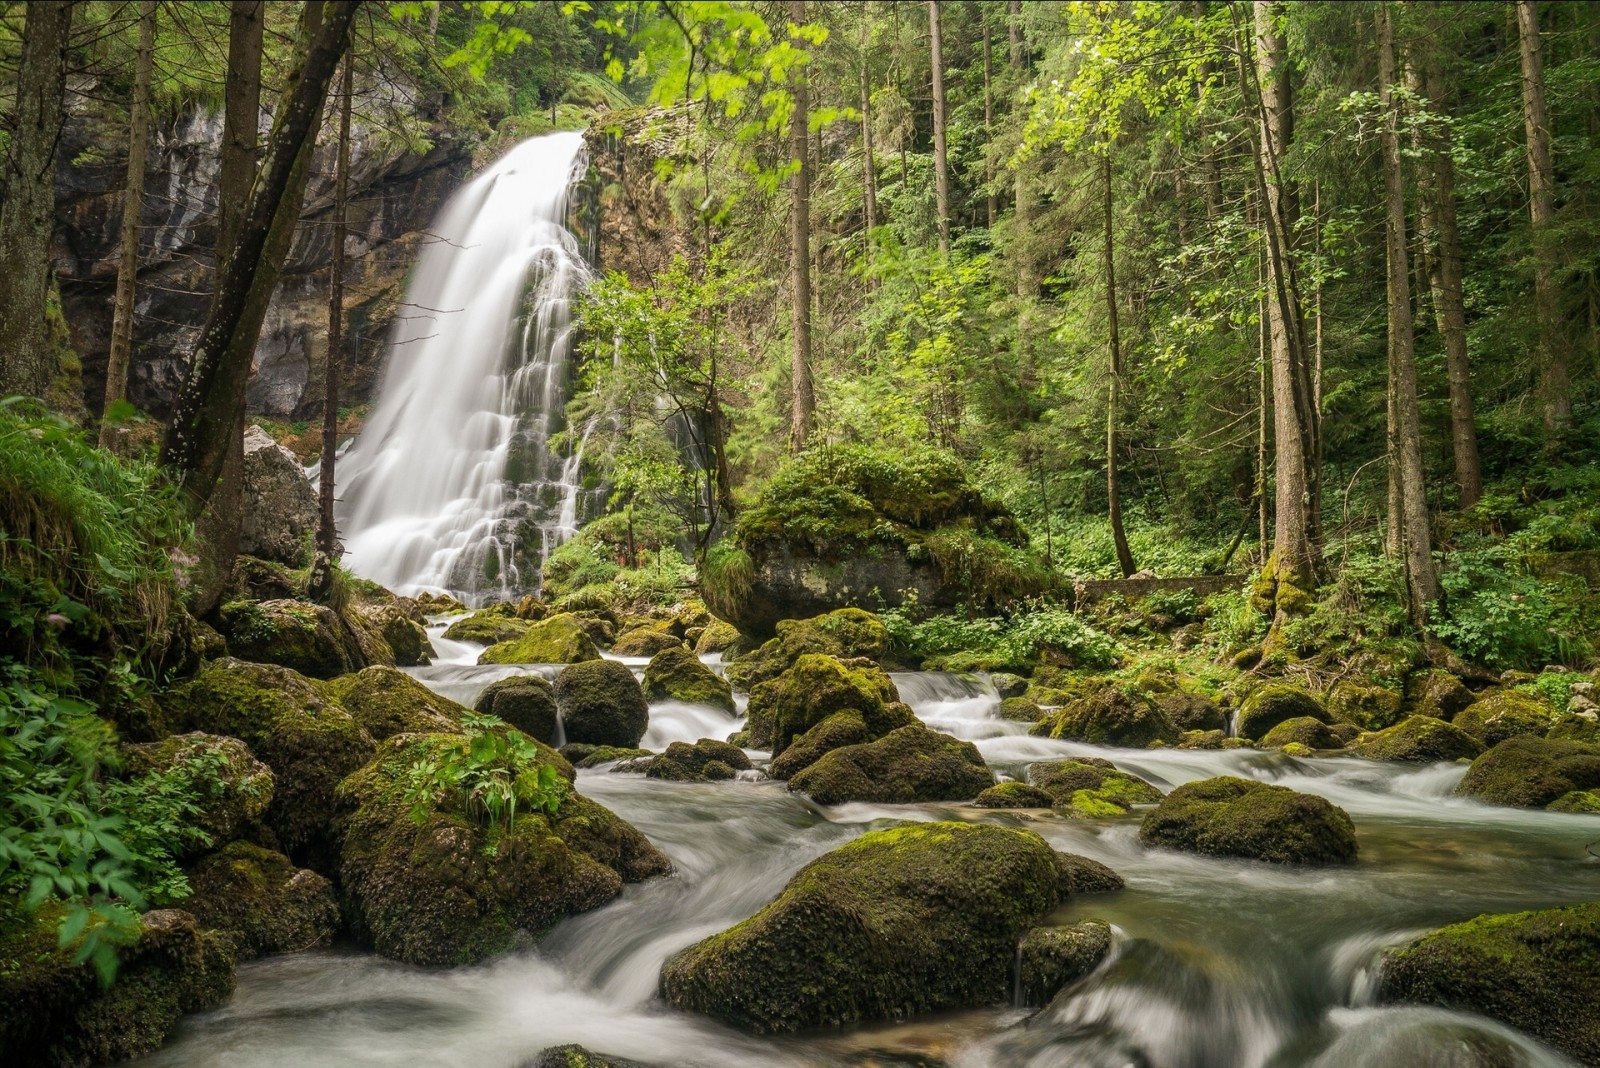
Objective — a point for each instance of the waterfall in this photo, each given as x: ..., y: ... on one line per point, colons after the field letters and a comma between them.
x: 453, y: 484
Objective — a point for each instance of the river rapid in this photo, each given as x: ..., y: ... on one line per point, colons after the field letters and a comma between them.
x: 1217, y: 963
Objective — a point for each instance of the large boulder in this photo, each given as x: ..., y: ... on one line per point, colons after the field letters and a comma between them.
x: 527, y: 702
x: 561, y: 639
x: 707, y: 760
x: 1091, y: 786
x: 388, y: 702
x: 1269, y: 705
x: 261, y: 901
x: 848, y: 633
x: 915, y: 918
x: 1530, y: 772
x: 1013, y: 795
x: 1502, y: 714
x: 676, y: 674
x: 309, y: 638
x: 1111, y: 716
x: 1301, y: 731
x: 1051, y: 958
x: 406, y: 638
x: 905, y: 766
x: 835, y: 732
x: 1417, y: 740
x: 601, y: 704
x: 1233, y: 817
x: 647, y: 640
x: 1437, y: 693
x: 488, y: 626
x: 278, y: 515
x: 815, y: 688
x: 232, y: 787
x: 1535, y: 971
x: 456, y: 887
x: 1192, y: 711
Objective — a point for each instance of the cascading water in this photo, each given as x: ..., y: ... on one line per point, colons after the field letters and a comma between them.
x: 453, y: 484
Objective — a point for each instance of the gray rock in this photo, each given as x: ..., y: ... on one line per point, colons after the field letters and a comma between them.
x: 279, y: 514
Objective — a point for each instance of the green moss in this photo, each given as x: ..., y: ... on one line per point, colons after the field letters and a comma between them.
x: 526, y: 702
x: 1303, y: 731
x: 488, y: 626
x: 1528, y: 772
x: 233, y: 789
x: 1502, y: 714
x: 1269, y: 705
x: 648, y: 640
x: 387, y: 702
x: 561, y: 639
x: 1097, y: 780
x: 584, y: 755
x: 1418, y: 740
x: 815, y: 688
x: 306, y: 637
x: 1052, y: 958
x: 847, y: 633
x: 1437, y: 693
x: 1370, y: 707
x: 716, y: 638
x: 1192, y: 711
x: 1020, y: 710
x: 1111, y: 716
x: 705, y: 760
x: 727, y: 576
x: 261, y: 901
x: 601, y: 703
x: 1576, y: 728
x: 1584, y: 801
x: 835, y: 732
x: 677, y: 674
x: 1013, y: 795
x: 1234, y: 817
x: 905, y: 766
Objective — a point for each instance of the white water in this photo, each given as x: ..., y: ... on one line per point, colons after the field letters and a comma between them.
x: 452, y: 484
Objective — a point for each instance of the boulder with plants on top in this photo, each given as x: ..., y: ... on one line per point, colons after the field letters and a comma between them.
x: 231, y: 787
x: 306, y: 637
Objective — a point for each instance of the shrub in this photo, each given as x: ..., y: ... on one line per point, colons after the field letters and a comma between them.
x: 492, y: 773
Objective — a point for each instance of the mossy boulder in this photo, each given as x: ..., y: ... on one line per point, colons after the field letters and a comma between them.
x: 1302, y: 730
x: 583, y: 755
x: 717, y: 637
x: 261, y: 901
x: 1534, y: 971
x: 1192, y: 711
x: 1210, y: 740
x: 813, y: 689
x: 1269, y: 705
x: 387, y: 702
x: 1080, y: 875
x: 452, y: 890
x: 527, y: 702
x: 1232, y: 817
x: 707, y: 760
x: 1370, y: 706
x: 1013, y: 795
x: 57, y: 1013
x: 1527, y: 772
x: 488, y: 626
x: 835, y: 732
x: 233, y: 788
x: 676, y: 674
x: 1577, y: 727
x: 305, y: 637
x: 1049, y: 959
x: 1111, y: 716
x: 1008, y: 685
x: 601, y: 704
x: 403, y: 634
x: 560, y: 639
x: 1417, y: 740
x: 573, y: 1056
x: 847, y: 633
x: 905, y: 766
x: 1437, y: 693
x: 647, y: 641
x: 1091, y: 787
x: 1020, y: 710
x: 916, y: 918
x: 1502, y: 714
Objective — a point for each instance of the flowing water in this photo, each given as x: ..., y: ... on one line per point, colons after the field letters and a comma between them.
x: 453, y: 483
x: 1217, y: 963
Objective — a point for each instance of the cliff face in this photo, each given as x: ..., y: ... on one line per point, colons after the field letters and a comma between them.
x: 627, y: 218
x: 394, y: 197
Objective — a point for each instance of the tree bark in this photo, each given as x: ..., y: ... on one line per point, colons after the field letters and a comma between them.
x: 988, y: 122
x: 1416, y: 539
x: 804, y: 404
x: 327, y: 529
x: 1119, y: 536
x: 1555, y: 385
x: 212, y: 396
x: 121, y: 350
x: 941, y: 160
x: 869, y: 175
x: 27, y: 202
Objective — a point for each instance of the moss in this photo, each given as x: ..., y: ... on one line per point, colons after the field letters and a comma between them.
x: 1578, y: 727
x: 911, y: 919
x: 1418, y: 740
x: 1020, y: 710
x: 584, y: 755
x: 648, y: 641
x: 527, y: 702
x: 835, y: 732
x: 1080, y: 875
x: 677, y: 674
x: 815, y: 688
x: 705, y: 760
x: 1234, y: 817
x: 905, y: 766
x: 234, y: 788
x: 1209, y: 740
x: 1052, y: 958
x: 388, y: 702
x: 1111, y: 716
x: 1534, y: 971
x: 1192, y: 711
x: 1269, y: 705
x: 1581, y: 801
x: 1013, y: 795
x: 846, y: 633
x: 1371, y: 707
x: 1437, y: 693
x: 306, y: 637
x: 1528, y: 772
x: 261, y: 901
x: 716, y: 637
x: 575, y: 1057
x: 1502, y: 714
x: 1096, y: 779
x: 402, y: 633
x: 601, y: 704
x: 1304, y: 731
x: 560, y: 639
x: 487, y: 627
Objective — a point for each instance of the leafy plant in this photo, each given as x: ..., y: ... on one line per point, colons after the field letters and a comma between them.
x: 491, y: 774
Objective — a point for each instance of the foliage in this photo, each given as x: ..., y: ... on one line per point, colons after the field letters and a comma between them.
x: 491, y: 773
x: 1016, y: 641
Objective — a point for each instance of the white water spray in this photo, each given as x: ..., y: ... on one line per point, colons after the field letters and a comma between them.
x: 452, y: 484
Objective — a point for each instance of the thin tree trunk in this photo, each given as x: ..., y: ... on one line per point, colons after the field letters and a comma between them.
x: 327, y: 530
x: 1422, y: 577
x: 1113, y: 384
x: 212, y: 395
x: 27, y: 202
x: 941, y: 159
x: 121, y: 350
x: 988, y: 122
x: 1555, y: 385
x: 803, y: 407
x: 869, y: 175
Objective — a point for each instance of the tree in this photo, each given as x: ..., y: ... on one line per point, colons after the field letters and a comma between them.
x: 941, y: 155
x: 27, y: 201
x: 804, y: 402
x: 327, y: 530
x: 1113, y: 382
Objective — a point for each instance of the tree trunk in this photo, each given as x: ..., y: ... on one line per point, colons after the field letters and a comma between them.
x: 27, y: 202
x: 803, y: 408
x: 941, y: 160
x: 988, y: 122
x: 1422, y: 577
x: 1113, y: 384
x: 212, y: 396
x: 327, y: 530
x: 132, y: 206
x: 869, y: 175
x: 1554, y: 382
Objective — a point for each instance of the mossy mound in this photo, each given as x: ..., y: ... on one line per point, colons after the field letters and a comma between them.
x: 647, y: 641
x: 401, y: 632
x: 1269, y: 705
x: 1014, y: 795
x: 815, y: 688
x: 1368, y: 706
x: 1020, y: 710
x: 1580, y: 802
x: 1534, y: 971
x: 573, y: 1056
x: 707, y: 760
x: 1091, y: 787
x: 234, y: 788
x: 1502, y: 714
x: 305, y: 637
x: 1233, y: 817
x: 1111, y: 716
x: 584, y: 755
x: 261, y: 901
x: 1418, y: 740
x: 1529, y: 772
x: 388, y: 702
x: 527, y: 702
x: 676, y: 674
x: 601, y: 704
x: 1192, y: 711
x: 847, y: 633
x: 451, y: 890
x: 1051, y: 958
x: 1302, y: 730
x: 911, y: 919
x: 905, y: 766
x: 835, y: 732
x: 56, y: 1012
x: 1437, y: 693
x: 488, y: 626
x: 561, y: 639
x: 1577, y: 727
x: 1210, y: 740
x: 1080, y: 875
x: 1008, y: 685
x: 717, y: 637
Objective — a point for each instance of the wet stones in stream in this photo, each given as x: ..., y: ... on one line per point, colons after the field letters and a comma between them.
x: 1052, y: 958
x: 1232, y: 817
x: 601, y: 703
x: 527, y: 702
x: 573, y: 1056
x: 818, y: 686
x: 261, y: 902
x: 707, y: 760
x: 1091, y: 787
x: 676, y: 674
x: 908, y: 765
x: 1417, y: 740
x: 847, y: 633
x: 1111, y: 716
x: 560, y: 639
x: 1530, y: 772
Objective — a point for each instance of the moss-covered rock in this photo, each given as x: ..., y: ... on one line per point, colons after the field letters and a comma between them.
x: 261, y: 901
x: 233, y: 788
x: 572, y: 1056
x: 647, y: 641
x: 717, y: 637
x: 1502, y: 714
x: 1302, y: 730
x: 1269, y: 705
x: 56, y: 1013
x: 835, y: 732
x: 488, y: 626
x: 1080, y: 875
x: 305, y: 637
x: 847, y: 633
x: 813, y: 689
x: 1020, y: 710
x: 1581, y: 802
x: 912, y: 919
x: 1233, y: 817
x: 1530, y: 772
x: 1534, y: 971
x: 1577, y: 727
x: 405, y: 637
x: 601, y: 704
x: 1050, y: 959
x: 905, y: 766
x: 1192, y: 711
x: 1418, y: 740
x: 387, y: 702
x: 1063, y: 780
x: 527, y: 702
x: 676, y: 674
x: 583, y: 755
x: 1111, y: 716
x: 707, y: 760
x: 452, y: 890
x: 1437, y: 693
x: 1014, y: 795
x: 1370, y: 706
x: 561, y: 639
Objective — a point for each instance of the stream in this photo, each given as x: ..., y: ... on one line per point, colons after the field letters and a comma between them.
x: 1217, y: 963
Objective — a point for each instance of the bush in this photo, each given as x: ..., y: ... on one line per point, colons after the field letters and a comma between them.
x: 996, y: 643
x: 492, y: 773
